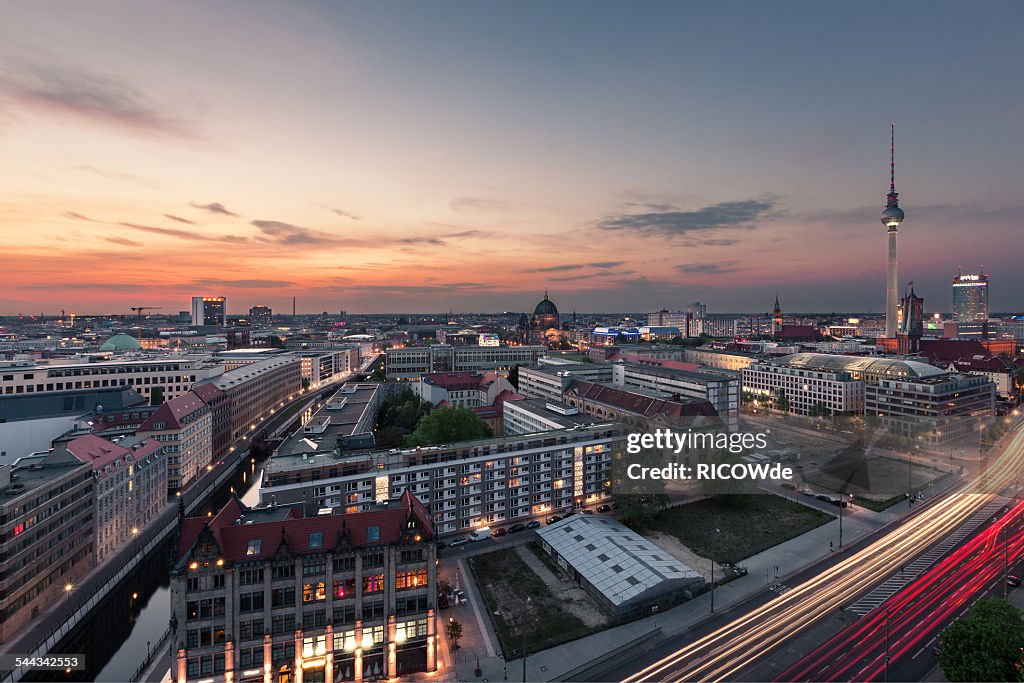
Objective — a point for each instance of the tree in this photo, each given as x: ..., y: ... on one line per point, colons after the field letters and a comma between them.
x: 305, y: 383
x: 513, y: 376
x: 378, y: 375
x: 448, y: 425
x: 276, y: 342
x: 819, y: 409
x: 454, y: 632
x: 782, y: 402
x: 638, y: 499
x: 156, y: 396
x: 986, y: 645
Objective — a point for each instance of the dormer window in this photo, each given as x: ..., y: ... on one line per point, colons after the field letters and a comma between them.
x: 373, y: 533
x: 316, y: 539
x: 254, y: 547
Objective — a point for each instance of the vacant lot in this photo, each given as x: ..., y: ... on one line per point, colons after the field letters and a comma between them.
x: 557, y: 610
x: 875, y: 482
x: 746, y: 524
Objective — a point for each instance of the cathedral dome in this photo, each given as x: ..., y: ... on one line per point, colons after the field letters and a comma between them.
x: 545, y: 307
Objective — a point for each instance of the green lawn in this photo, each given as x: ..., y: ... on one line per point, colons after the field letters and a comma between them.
x: 747, y: 524
x: 505, y: 582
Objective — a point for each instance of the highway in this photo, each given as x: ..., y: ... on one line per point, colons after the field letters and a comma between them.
x: 905, y: 628
x: 722, y: 653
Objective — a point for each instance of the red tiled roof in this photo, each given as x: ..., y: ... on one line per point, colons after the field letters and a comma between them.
x: 460, y: 381
x: 950, y: 350
x: 209, y: 392
x: 639, y: 404
x: 175, y: 411
x: 98, y: 452
x: 234, y: 539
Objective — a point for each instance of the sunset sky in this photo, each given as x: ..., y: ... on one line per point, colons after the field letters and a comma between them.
x: 425, y: 156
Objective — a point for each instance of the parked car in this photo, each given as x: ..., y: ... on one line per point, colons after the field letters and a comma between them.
x: 533, y: 524
x: 839, y: 501
x: 604, y: 508
x: 825, y: 497
x: 570, y: 513
x: 441, y: 544
x: 1013, y: 580
x: 481, y: 534
x: 807, y: 492
x: 498, y: 533
x: 552, y: 520
x: 789, y: 485
x: 516, y: 528
x: 459, y: 541
x: 588, y: 511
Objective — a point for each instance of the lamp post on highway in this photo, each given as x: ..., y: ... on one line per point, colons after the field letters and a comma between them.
x: 717, y: 531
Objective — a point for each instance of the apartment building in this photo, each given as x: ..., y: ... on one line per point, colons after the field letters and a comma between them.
x: 46, y: 534
x: 130, y: 486
x: 184, y: 426
x: 255, y: 389
x: 936, y: 409
x: 465, y: 485
x: 166, y: 378
x: 266, y: 594
x: 411, y: 362
x: 835, y: 391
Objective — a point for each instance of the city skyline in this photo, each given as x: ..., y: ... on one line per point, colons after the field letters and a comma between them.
x: 398, y: 159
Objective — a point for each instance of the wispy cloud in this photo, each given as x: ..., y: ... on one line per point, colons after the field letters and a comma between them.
x: 477, y: 204
x: 68, y: 90
x: 676, y: 223
x: 603, y: 265
x: 243, y: 284
x: 214, y: 207
x: 77, y: 216
x: 186, y: 234
x: 116, y: 175
x: 280, y: 232
x: 122, y: 241
x: 343, y: 214
x: 708, y: 268
x: 179, y: 219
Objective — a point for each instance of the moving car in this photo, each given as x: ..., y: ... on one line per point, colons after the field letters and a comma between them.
x: 1013, y: 580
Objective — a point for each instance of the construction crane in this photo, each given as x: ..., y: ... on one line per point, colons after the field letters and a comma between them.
x: 139, y: 309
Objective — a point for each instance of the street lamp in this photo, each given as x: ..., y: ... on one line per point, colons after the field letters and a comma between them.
x: 717, y: 531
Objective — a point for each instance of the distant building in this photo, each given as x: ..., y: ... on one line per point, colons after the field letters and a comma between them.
x: 209, y: 311
x: 550, y: 382
x: 911, y: 329
x: 130, y: 486
x: 260, y: 316
x: 411, y: 362
x: 184, y: 426
x: 721, y: 388
x: 970, y: 298
x: 345, y: 422
x: 42, y: 555
x: 545, y: 326
x: 268, y: 594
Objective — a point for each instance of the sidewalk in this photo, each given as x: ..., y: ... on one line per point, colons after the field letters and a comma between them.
x: 556, y: 663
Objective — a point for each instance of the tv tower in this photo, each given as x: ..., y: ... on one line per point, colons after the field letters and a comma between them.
x: 891, y: 219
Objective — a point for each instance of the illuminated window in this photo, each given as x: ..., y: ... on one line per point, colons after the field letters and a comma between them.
x: 373, y: 583
x: 254, y: 547
x: 314, y: 592
x: 411, y: 579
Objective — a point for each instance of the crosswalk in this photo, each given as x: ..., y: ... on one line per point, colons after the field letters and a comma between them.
x: 896, y: 582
